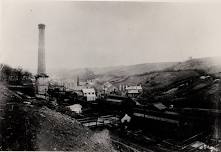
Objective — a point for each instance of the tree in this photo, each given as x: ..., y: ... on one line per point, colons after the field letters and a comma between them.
x: 6, y: 72
x: 26, y: 75
x: 19, y: 75
x: 13, y: 75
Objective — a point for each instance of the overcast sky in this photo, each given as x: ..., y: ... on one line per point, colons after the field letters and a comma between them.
x: 95, y: 34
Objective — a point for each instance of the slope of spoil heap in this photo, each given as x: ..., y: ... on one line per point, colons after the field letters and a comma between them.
x: 60, y: 132
x: 3, y: 98
x: 6, y: 96
x: 31, y: 127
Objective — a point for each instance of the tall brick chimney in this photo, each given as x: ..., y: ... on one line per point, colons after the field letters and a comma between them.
x: 41, y: 50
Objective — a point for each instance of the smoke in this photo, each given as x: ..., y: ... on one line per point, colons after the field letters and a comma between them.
x: 216, y: 61
x: 103, y: 138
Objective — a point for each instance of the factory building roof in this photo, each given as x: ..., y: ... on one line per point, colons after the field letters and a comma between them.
x: 159, y: 106
x: 134, y: 87
x: 87, y: 90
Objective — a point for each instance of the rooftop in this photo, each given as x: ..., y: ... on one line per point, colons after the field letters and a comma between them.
x: 88, y: 90
x: 134, y: 87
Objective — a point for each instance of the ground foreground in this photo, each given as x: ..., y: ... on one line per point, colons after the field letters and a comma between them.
x: 27, y: 127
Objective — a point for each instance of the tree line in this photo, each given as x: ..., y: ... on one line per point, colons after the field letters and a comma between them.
x: 14, y: 75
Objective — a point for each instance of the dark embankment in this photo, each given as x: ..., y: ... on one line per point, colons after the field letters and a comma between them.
x: 31, y: 127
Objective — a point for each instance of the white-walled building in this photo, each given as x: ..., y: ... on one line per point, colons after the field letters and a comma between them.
x: 89, y: 93
x: 133, y: 91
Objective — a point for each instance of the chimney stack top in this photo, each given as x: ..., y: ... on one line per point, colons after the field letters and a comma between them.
x: 41, y: 26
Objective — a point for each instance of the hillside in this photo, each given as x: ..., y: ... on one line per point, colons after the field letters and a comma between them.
x: 107, y: 73
x: 210, y: 64
x: 140, y: 74
x: 192, y: 83
x: 134, y: 69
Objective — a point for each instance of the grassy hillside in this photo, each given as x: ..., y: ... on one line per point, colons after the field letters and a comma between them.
x: 120, y: 73
x: 209, y: 64
x: 134, y: 69
x: 108, y: 73
x: 183, y: 84
x: 152, y: 77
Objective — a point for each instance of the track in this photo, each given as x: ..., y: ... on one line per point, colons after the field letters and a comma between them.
x: 130, y: 146
x: 98, y: 121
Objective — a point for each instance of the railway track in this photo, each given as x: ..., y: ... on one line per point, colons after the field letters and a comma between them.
x: 98, y: 121
x: 130, y: 142
x: 130, y: 146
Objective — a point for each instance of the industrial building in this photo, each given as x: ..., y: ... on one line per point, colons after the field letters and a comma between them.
x: 89, y: 93
x: 133, y: 91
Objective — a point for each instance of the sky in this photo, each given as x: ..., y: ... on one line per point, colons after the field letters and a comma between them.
x: 99, y: 34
